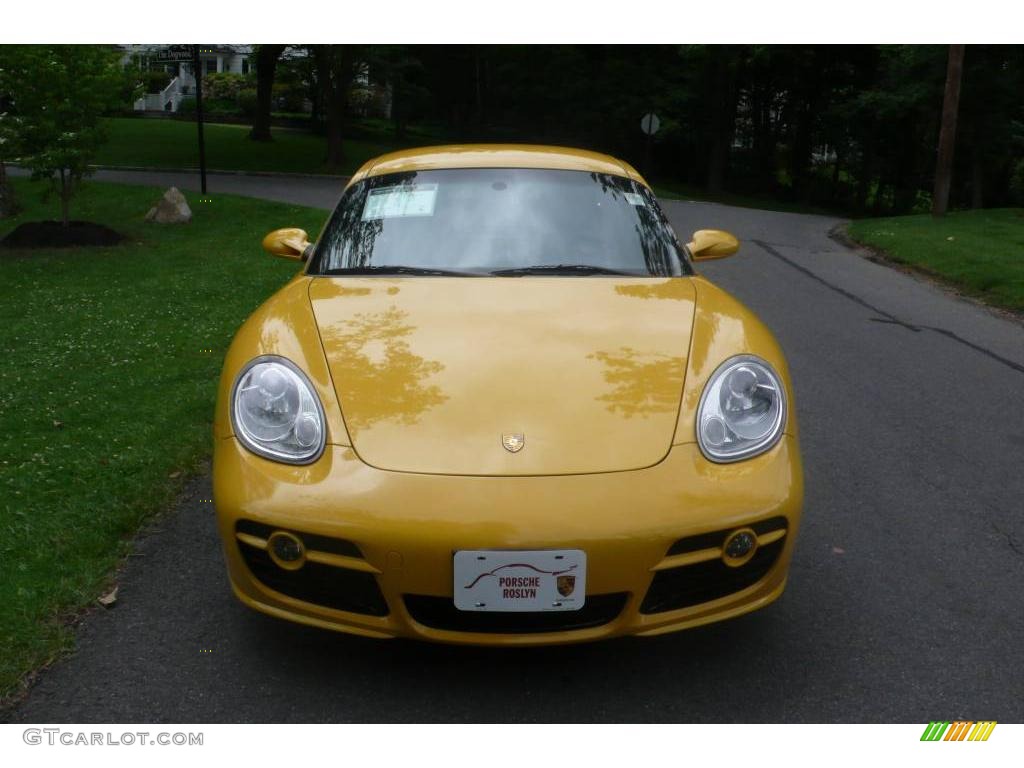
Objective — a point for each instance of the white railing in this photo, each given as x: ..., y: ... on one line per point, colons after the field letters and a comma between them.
x: 158, y: 101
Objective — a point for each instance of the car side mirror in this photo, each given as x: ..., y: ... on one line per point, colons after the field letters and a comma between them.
x: 288, y: 243
x: 708, y: 244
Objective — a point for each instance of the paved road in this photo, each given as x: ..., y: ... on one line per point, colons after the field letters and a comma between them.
x: 905, y: 592
x: 314, y: 191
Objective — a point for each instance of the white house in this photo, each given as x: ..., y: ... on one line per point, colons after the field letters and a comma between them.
x: 212, y: 58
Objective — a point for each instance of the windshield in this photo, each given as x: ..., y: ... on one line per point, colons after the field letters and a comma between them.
x: 504, y: 221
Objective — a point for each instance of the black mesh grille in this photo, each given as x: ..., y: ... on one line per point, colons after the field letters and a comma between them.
x: 441, y: 613
x: 701, y: 582
x: 311, y: 540
x: 338, y: 588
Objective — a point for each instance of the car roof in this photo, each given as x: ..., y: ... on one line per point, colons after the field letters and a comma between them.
x: 496, y: 156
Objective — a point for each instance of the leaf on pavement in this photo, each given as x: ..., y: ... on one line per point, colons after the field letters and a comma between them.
x: 108, y: 600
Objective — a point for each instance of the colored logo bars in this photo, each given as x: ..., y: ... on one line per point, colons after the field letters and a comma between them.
x: 959, y: 731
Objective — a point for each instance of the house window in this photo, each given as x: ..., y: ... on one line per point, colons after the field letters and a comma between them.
x: 209, y: 66
x: 245, y: 66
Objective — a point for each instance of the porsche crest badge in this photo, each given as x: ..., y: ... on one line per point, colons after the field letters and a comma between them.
x: 513, y: 442
x: 565, y: 584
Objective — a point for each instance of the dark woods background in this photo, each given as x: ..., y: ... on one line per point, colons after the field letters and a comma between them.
x: 846, y: 127
x: 851, y: 128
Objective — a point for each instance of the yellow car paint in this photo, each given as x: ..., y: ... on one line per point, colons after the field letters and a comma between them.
x: 706, y: 244
x: 419, y: 378
x: 430, y: 373
x: 289, y: 243
x: 724, y: 328
x: 408, y: 525
x: 496, y: 156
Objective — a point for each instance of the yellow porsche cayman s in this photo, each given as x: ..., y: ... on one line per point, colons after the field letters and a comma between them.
x: 498, y: 406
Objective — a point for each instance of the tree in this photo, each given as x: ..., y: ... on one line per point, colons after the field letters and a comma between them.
x: 398, y: 68
x: 58, y: 94
x: 8, y: 203
x: 8, y: 150
x: 988, y: 122
x: 947, y: 133
x: 266, y: 65
x: 336, y: 70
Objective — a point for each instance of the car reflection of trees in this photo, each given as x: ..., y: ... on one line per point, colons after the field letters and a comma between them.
x: 643, y: 383
x: 350, y: 239
x: 679, y: 290
x: 376, y: 374
x: 652, y: 228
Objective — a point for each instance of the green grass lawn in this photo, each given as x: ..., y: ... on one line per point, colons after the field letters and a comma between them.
x: 153, y: 143
x: 980, y: 252
x: 107, y: 390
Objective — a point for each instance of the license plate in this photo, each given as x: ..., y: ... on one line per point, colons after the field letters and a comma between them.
x: 520, y: 580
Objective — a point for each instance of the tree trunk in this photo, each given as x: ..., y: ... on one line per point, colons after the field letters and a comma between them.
x: 398, y: 117
x: 764, y: 143
x: 977, y: 183
x: 865, y: 176
x: 266, y: 66
x: 880, y: 190
x: 8, y: 205
x: 837, y: 166
x: 800, y: 151
x: 723, y: 121
x: 947, y: 133
x: 316, y: 96
x: 335, y: 72
x: 65, y: 197
x: 335, y: 145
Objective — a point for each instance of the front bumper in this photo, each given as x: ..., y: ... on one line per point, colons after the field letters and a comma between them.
x: 381, y: 543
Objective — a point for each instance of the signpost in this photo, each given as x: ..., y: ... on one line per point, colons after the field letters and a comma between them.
x: 190, y: 53
x: 197, y: 72
x: 649, y: 124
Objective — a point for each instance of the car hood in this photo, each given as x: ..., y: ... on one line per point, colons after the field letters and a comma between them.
x: 432, y: 372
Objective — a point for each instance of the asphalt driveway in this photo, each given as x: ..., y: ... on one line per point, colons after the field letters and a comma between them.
x: 904, y: 601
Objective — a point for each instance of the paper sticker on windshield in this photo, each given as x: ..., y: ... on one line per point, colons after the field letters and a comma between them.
x: 401, y: 200
x: 634, y: 199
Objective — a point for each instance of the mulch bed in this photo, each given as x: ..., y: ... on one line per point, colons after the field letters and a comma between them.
x: 53, y: 234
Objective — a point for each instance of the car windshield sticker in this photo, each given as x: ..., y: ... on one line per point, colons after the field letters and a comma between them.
x: 633, y: 198
x: 398, y: 201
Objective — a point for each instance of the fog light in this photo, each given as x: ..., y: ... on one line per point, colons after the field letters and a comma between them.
x: 286, y: 550
x: 739, y: 547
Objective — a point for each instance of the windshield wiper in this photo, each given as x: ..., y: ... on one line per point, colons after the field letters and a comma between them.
x: 391, y: 269
x: 563, y: 269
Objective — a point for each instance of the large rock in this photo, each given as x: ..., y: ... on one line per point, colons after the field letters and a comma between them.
x: 172, y: 209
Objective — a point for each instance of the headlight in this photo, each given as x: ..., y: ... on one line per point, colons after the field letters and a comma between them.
x: 275, y: 412
x: 742, y: 410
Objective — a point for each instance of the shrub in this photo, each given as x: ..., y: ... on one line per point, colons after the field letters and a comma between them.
x: 155, y: 80
x: 224, y: 85
x: 359, y: 100
x: 210, y: 106
x: 289, y: 97
x: 1017, y: 182
x: 247, y: 102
